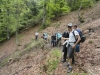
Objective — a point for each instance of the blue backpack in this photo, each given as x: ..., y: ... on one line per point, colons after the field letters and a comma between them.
x: 82, y: 36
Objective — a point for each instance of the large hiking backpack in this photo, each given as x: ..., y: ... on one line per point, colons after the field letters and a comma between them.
x: 82, y: 36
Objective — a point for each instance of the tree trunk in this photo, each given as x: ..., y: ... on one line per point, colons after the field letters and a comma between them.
x: 79, y: 9
x: 17, y: 18
x: 8, y: 36
x: 8, y: 13
x: 44, y: 14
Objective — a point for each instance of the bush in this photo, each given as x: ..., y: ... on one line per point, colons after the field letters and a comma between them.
x: 85, y: 3
x: 90, y: 42
x: 53, y: 60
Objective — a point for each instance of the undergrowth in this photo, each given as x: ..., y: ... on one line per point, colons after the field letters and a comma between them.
x: 52, y: 61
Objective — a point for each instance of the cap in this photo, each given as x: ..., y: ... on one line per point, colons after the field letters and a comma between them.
x: 70, y: 24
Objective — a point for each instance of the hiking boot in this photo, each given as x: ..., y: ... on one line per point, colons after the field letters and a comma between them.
x: 63, y: 61
x: 69, y: 70
x: 67, y: 64
x: 74, y: 63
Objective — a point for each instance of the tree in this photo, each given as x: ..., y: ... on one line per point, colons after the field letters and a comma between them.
x: 44, y: 14
x: 16, y: 15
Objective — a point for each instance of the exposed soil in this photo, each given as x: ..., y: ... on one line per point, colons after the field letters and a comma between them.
x: 88, y: 60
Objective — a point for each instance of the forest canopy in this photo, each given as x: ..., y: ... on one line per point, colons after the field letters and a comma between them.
x: 16, y: 15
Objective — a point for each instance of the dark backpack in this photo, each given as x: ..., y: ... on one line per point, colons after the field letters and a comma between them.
x: 82, y: 36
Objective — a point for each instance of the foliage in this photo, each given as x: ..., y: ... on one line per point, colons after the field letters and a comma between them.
x: 16, y: 15
x: 90, y: 42
x: 75, y: 4
x: 53, y: 60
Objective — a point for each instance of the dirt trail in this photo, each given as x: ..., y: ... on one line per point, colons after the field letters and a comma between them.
x: 9, y: 46
x: 30, y: 63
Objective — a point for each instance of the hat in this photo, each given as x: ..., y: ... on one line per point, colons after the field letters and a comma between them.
x: 70, y: 24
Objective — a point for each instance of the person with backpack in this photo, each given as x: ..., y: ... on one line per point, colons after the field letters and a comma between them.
x: 72, y: 45
x: 82, y: 36
x: 45, y: 36
x: 78, y: 45
x: 65, y: 35
x: 58, y: 38
x: 81, y: 41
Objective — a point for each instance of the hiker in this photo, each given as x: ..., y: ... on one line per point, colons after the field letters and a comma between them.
x: 53, y: 40
x: 45, y: 36
x: 58, y: 38
x: 78, y: 45
x: 65, y: 37
x: 36, y: 35
x: 72, y: 45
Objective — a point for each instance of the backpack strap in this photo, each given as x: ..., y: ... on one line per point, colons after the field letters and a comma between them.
x: 74, y: 36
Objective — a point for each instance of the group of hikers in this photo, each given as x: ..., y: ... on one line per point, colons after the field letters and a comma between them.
x: 72, y: 38
x: 55, y: 38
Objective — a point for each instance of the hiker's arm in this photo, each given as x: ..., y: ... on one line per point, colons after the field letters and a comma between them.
x: 64, y: 38
x: 77, y: 36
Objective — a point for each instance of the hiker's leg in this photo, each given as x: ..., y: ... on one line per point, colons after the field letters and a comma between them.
x: 65, y: 53
x: 64, y: 56
x: 73, y: 60
x: 53, y: 43
x: 57, y: 42
x: 37, y: 37
x: 70, y: 56
x: 60, y: 42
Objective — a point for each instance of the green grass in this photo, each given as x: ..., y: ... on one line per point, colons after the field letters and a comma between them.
x: 90, y: 42
x: 53, y: 60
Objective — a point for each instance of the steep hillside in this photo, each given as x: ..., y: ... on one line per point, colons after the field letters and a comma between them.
x: 30, y: 63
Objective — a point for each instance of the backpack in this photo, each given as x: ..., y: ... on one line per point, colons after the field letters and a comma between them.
x: 82, y: 36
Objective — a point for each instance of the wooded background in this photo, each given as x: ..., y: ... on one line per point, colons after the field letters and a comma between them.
x: 17, y: 15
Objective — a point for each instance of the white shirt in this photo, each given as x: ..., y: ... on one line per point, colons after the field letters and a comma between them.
x: 72, y: 37
x: 36, y: 33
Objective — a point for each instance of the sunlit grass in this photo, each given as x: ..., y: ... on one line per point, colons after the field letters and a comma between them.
x: 53, y: 60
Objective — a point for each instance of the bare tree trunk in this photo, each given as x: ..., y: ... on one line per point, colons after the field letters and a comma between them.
x: 44, y: 14
x: 80, y: 18
x: 17, y: 18
x: 17, y: 38
x: 71, y: 3
x: 8, y: 11
x: 79, y: 9
x: 8, y: 36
